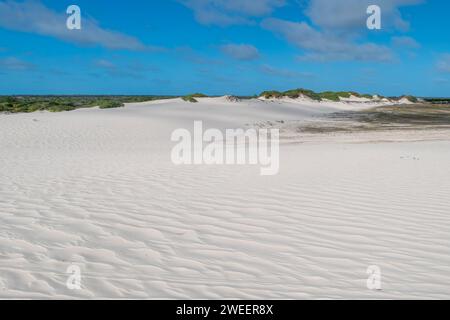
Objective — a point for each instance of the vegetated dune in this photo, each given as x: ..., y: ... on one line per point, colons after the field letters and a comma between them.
x: 97, y: 188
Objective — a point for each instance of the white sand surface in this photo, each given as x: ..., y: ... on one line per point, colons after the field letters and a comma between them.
x: 97, y: 188
x: 352, y: 103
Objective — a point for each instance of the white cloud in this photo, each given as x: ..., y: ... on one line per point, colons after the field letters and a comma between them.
x: 444, y: 63
x: 284, y: 73
x: 243, y: 52
x: 15, y: 64
x: 105, y: 64
x: 230, y: 12
x: 326, y: 46
x: 133, y: 70
x: 193, y: 56
x: 337, y: 28
x: 33, y: 17
x: 405, y: 42
x: 441, y: 81
x: 351, y: 14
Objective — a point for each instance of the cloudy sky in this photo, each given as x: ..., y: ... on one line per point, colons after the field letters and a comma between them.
x: 224, y: 47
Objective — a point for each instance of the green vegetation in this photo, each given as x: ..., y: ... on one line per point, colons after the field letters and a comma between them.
x: 271, y: 94
x: 299, y: 92
x: 199, y: 95
x: 191, y: 97
x: 318, y: 96
x: 438, y: 100
x: 17, y: 104
x: 334, y: 96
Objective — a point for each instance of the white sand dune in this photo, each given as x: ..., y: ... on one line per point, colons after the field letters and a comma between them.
x: 352, y: 103
x: 97, y: 188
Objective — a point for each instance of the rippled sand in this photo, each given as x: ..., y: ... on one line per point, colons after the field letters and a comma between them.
x: 97, y: 188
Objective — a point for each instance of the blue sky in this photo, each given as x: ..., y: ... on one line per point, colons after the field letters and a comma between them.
x: 219, y: 47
